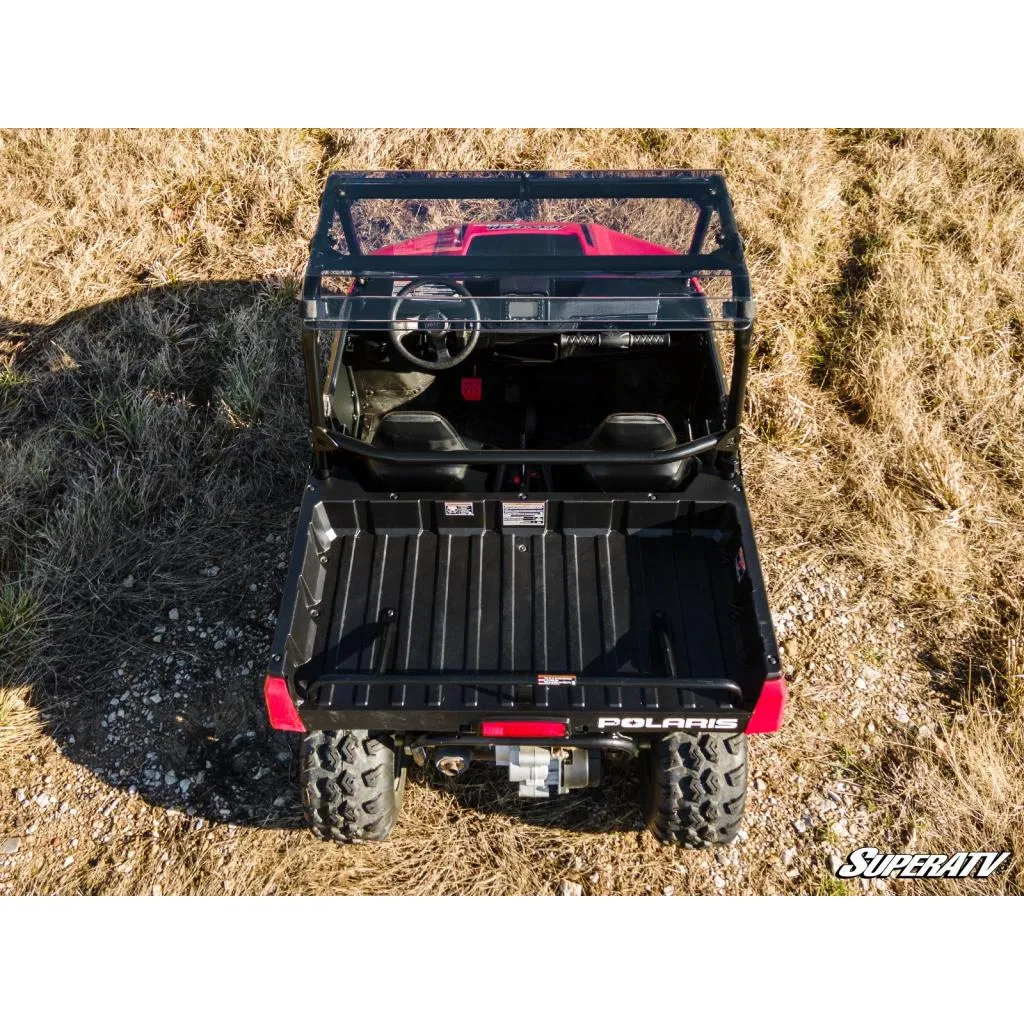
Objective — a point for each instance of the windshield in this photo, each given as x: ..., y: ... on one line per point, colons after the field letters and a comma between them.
x: 456, y: 227
x: 582, y: 243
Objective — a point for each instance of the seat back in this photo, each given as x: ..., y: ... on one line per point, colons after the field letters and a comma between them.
x: 419, y: 432
x: 636, y: 431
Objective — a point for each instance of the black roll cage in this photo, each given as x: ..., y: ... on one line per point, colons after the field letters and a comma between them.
x: 325, y: 309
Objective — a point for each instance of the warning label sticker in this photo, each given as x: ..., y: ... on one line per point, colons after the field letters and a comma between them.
x: 556, y: 680
x: 522, y: 513
x: 458, y: 508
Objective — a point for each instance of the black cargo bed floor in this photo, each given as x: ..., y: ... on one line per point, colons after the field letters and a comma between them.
x: 561, y: 602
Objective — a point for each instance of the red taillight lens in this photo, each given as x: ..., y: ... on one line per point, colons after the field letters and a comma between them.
x: 770, y: 707
x: 281, y: 711
x: 523, y: 730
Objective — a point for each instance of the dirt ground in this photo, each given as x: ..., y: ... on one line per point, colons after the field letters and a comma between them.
x: 153, y: 447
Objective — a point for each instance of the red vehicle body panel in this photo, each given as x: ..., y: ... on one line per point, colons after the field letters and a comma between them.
x: 770, y: 707
x: 595, y: 239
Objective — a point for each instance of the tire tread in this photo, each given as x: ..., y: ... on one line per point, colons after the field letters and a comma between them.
x: 695, y: 788
x: 348, y: 785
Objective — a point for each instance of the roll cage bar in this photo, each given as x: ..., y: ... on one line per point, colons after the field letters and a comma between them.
x: 335, y: 253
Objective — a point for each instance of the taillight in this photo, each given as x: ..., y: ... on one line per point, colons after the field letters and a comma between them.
x: 770, y: 707
x: 524, y: 730
x: 281, y: 710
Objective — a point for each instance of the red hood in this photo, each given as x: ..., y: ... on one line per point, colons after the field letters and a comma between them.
x: 595, y: 239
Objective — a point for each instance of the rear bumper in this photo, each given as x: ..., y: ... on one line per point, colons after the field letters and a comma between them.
x: 406, y: 704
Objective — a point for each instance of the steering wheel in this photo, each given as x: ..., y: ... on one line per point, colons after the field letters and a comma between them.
x: 434, y: 324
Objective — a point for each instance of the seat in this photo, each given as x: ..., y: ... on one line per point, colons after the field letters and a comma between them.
x: 418, y: 432
x: 635, y: 431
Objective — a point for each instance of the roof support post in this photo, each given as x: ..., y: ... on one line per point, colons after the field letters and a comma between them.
x: 743, y: 337
x: 314, y: 397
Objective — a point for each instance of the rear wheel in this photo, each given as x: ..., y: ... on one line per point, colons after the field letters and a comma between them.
x: 353, y: 784
x: 695, y: 787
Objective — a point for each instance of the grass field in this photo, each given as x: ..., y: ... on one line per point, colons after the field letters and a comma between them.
x: 151, y: 426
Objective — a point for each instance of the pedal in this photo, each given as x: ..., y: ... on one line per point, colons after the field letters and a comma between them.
x: 472, y: 389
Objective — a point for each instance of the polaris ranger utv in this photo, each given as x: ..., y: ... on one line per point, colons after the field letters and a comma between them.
x: 524, y: 538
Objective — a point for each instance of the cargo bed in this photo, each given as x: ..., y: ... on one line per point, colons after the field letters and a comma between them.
x: 440, y: 608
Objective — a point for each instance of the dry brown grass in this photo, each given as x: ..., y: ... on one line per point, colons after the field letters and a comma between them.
x: 886, y: 440
x: 20, y: 727
x: 964, y: 791
x: 965, y: 794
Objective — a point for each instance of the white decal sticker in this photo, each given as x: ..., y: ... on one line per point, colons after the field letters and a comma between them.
x: 556, y: 680
x: 713, y: 722
x: 522, y: 513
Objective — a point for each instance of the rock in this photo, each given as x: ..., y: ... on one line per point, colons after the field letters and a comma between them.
x: 68, y: 861
x: 571, y: 888
x: 669, y: 890
x: 279, y: 801
x: 10, y: 846
x: 173, y: 615
x: 835, y: 862
x: 719, y: 882
x: 184, y: 786
x: 210, y: 570
x: 157, y: 891
x: 170, y: 779
x: 128, y: 582
x: 788, y: 856
x: 924, y: 732
x: 860, y: 683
